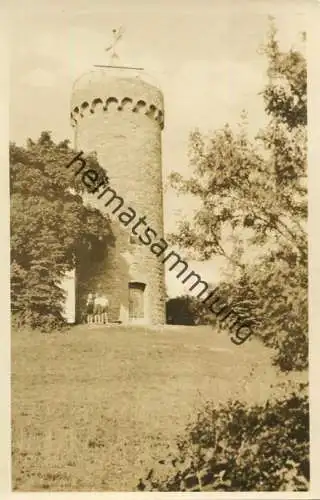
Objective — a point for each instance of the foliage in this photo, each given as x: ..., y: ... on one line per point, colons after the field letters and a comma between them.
x: 254, y: 191
x: 178, y: 311
x: 49, y: 224
x: 240, y: 448
x: 186, y: 310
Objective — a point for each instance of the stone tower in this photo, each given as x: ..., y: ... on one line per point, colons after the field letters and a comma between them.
x: 119, y: 115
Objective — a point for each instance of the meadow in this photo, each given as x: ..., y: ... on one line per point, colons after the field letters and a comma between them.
x: 94, y: 408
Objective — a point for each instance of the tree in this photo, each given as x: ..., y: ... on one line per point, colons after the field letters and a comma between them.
x: 256, y: 192
x: 50, y: 225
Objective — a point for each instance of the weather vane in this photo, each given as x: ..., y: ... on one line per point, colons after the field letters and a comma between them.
x: 117, y: 35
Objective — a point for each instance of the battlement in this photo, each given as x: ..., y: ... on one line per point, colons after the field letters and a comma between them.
x: 111, y: 103
x: 118, y: 112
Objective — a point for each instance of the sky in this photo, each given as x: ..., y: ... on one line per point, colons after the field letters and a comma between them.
x: 204, y: 55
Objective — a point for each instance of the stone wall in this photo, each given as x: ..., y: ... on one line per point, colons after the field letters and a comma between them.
x: 121, y: 119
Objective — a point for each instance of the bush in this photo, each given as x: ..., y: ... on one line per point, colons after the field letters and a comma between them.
x: 179, y: 312
x: 186, y: 310
x: 241, y: 448
x: 38, y: 321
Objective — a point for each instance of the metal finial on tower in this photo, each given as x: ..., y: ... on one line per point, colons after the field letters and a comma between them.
x: 113, y: 63
x: 117, y: 35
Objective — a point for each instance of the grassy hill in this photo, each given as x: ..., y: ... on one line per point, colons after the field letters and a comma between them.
x: 93, y: 408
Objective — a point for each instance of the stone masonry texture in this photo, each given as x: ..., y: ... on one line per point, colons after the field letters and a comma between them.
x: 120, y: 117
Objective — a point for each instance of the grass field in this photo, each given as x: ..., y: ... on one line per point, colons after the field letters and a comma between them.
x: 92, y: 409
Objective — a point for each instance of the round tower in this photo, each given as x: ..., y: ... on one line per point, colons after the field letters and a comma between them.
x: 117, y: 114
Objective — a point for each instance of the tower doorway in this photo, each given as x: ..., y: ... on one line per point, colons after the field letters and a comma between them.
x: 136, y: 300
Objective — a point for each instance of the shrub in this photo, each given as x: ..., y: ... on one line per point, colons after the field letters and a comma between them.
x: 241, y: 448
x: 186, y: 310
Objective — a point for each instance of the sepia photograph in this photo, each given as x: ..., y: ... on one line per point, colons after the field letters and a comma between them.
x: 158, y: 166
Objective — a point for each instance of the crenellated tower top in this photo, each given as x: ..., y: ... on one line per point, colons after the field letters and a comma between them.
x: 109, y: 87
